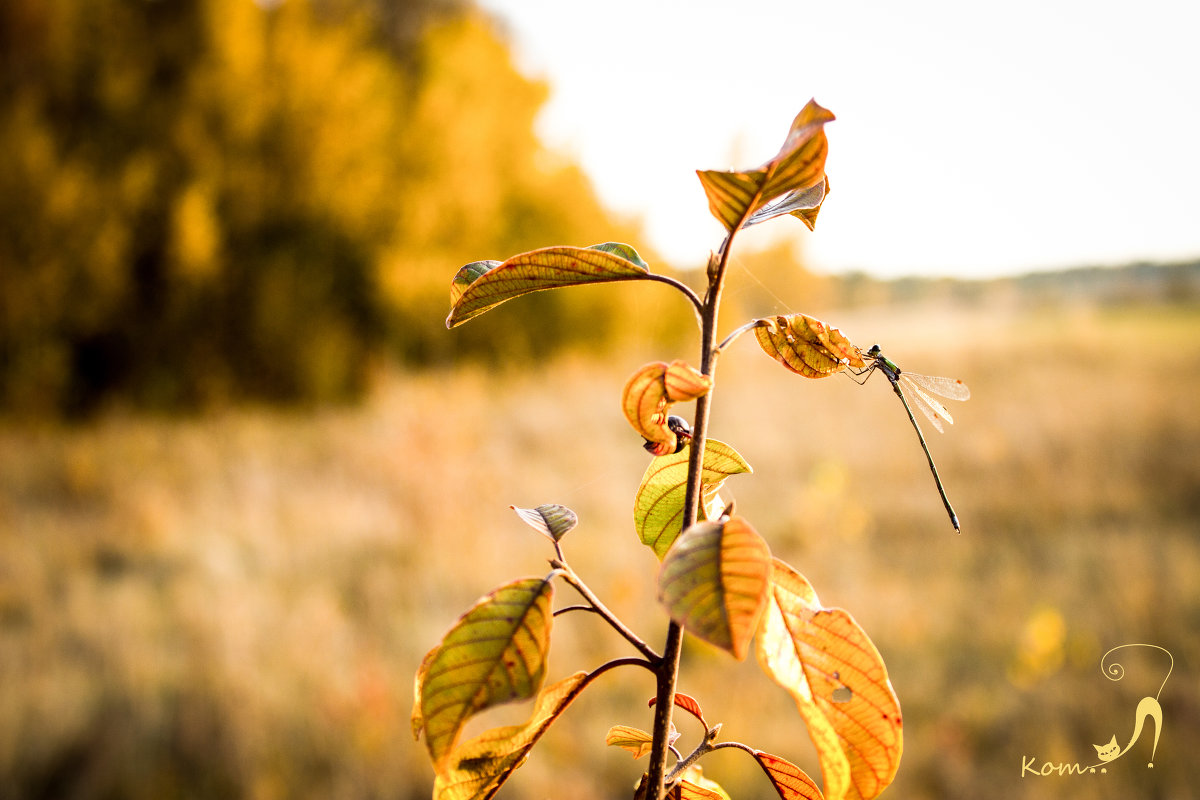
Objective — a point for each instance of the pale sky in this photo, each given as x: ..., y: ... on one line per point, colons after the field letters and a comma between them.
x: 972, y: 138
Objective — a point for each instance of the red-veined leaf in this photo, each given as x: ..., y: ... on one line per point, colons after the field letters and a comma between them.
x: 688, y: 704
x: 715, y: 581
x: 785, y: 182
x: 694, y: 786
x: 477, y: 769
x: 551, y: 519
x: 494, y: 654
x: 806, y: 345
x: 790, y: 782
x: 651, y: 391
x: 658, y: 504
x: 840, y: 685
x: 483, y: 285
x: 691, y: 786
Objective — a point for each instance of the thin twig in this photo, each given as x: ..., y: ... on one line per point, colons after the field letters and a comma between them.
x: 575, y: 608
x: 728, y: 340
x: 577, y: 583
x: 687, y: 291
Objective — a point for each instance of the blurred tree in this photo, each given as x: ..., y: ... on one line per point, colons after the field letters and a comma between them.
x: 214, y: 200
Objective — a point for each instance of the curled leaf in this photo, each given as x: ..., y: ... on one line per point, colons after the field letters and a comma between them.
x: 477, y: 769
x: 806, y: 345
x: 839, y: 682
x: 715, y: 582
x: 786, y: 184
x: 658, y: 504
x: 803, y: 204
x: 494, y: 654
x: 551, y: 519
x: 651, y: 391
x: 483, y: 285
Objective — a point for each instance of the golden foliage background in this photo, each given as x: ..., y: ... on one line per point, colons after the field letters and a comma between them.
x: 234, y: 605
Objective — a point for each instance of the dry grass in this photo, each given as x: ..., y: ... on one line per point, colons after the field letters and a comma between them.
x: 235, y: 606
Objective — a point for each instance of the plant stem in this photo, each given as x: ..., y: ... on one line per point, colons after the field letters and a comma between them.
x: 668, y: 668
x: 569, y: 575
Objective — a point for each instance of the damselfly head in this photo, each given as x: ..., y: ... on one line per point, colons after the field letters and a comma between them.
x: 874, y: 351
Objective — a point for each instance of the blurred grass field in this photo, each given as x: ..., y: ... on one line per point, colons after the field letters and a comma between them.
x: 234, y: 606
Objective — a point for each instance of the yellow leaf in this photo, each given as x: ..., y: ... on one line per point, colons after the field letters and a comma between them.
x: 790, y: 782
x: 715, y: 581
x: 651, y: 391
x: 477, y: 769
x: 783, y: 185
x: 806, y: 345
x: 483, y: 285
x: 658, y: 504
x: 635, y: 740
x: 840, y: 685
x: 494, y: 654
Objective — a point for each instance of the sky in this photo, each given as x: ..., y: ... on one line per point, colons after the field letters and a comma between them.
x: 972, y: 139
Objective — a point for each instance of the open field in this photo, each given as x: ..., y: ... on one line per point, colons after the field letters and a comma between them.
x: 234, y: 606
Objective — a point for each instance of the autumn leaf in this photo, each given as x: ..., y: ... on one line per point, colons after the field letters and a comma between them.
x: 651, y: 392
x: 552, y: 520
x: 840, y: 685
x: 692, y: 785
x: 793, y: 182
x: 715, y: 582
x: 806, y: 345
x: 658, y: 504
x: 635, y: 740
x: 483, y: 285
x: 477, y: 769
x: 688, y: 704
x: 789, y: 781
x: 494, y: 654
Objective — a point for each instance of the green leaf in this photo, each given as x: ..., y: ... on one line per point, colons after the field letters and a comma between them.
x: 714, y: 582
x: 478, y: 769
x: 840, y: 685
x: 623, y: 250
x: 658, y: 504
x: 806, y: 345
x: 787, y: 184
x: 494, y: 654
x: 468, y: 275
x: 476, y: 289
x: 790, y: 782
x: 551, y: 519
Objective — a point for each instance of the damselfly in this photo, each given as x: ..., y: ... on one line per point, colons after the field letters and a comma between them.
x: 921, y: 389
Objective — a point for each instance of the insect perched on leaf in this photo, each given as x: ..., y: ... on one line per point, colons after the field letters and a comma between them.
x: 921, y: 389
x: 679, y: 427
